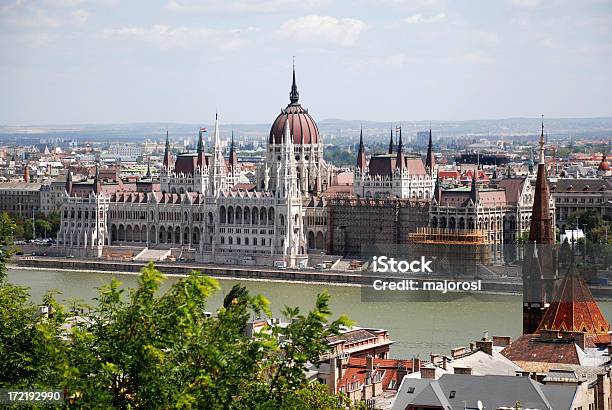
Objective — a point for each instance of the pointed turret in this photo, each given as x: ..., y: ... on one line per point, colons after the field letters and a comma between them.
x: 430, y: 161
x: 400, y: 159
x: 361, y: 157
x: 474, y: 190
x: 167, y: 152
x: 97, y: 184
x: 541, y: 229
x: 233, y: 157
x: 148, y: 174
x: 200, y: 149
x: 217, y: 173
x: 294, y: 95
x: 391, y: 142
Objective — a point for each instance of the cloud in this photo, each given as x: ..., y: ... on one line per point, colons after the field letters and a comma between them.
x: 245, y: 6
x: 80, y: 17
x: 61, y: 3
x: 166, y: 37
x: 527, y: 4
x: 425, y: 18
x: 323, y: 30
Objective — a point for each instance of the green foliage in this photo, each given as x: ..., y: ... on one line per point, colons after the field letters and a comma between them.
x: 46, y: 225
x: 597, y: 229
x: 141, y: 348
x: 339, y: 156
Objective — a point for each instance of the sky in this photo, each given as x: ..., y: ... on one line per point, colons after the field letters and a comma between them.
x: 119, y: 61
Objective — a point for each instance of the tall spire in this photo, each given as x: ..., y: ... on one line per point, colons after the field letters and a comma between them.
x: 200, y: 142
x: 474, y: 190
x: 430, y: 161
x: 541, y: 159
x: 97, y: 185
x: 200, y: 148
x: 294, y: 95
x: 167, y: 152
x: 541, y: 229
x: 233, y: 157
x: 217, y: 174
x: 391, y: 142
x: 148, y: 175
x: 399, y: 162
x: 361, y: 158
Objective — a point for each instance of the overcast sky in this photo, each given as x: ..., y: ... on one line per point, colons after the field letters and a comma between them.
x: 111, y: 61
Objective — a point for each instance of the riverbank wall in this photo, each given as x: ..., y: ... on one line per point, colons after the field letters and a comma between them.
x: 340, y: 278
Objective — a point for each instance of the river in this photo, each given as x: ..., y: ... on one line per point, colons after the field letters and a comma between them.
x: 418, y: 327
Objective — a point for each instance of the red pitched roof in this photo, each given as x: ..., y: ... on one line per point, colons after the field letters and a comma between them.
x: 573, y: 308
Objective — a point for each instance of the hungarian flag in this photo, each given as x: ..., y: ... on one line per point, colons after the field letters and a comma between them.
x: 398, y: 129
x: 203, y: 129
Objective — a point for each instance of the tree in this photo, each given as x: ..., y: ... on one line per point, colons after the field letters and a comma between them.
x: 141, y: 348
x: 7, y: 229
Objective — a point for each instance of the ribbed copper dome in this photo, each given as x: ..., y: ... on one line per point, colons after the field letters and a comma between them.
x: 301, y: 125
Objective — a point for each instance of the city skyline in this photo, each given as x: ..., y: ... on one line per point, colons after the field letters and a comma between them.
x: 108, y: 61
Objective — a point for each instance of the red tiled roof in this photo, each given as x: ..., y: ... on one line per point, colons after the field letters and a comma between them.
x: 244, y: 186
x: 573, y: 308
x: 530, y: 348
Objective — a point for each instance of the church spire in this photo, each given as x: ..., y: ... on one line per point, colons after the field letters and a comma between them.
x: 474, y: 190
x: 167, y: 152
x: 391, y: 142
x: 361, y: 158
x: 294, y: 95
x: 541, y: 229
x: 430, y: 161
x: 148, y: 175
x: 233, y: 157
x: 201, y: 148
x: 400, y: 160
x: 97, y: 185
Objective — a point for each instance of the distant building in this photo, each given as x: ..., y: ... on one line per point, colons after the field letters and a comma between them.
x: 583, y: 194
x: 355, y: 223
x: 20, y: 198
x: 394, y: 174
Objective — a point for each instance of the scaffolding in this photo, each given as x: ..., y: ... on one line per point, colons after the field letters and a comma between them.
x: 445, y: 236
x: 455, y: 250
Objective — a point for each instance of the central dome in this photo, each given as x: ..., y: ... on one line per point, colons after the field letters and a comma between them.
x: 301, y: 125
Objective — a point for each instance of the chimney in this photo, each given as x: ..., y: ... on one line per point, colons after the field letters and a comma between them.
x: 486, y: 346
x: 457, y: 351
x: 416, y: 364
x: 369, y: 363
x: 444, y: 362
x: 502, y: 341
x: 434, y: 358
x: 428, y: 373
